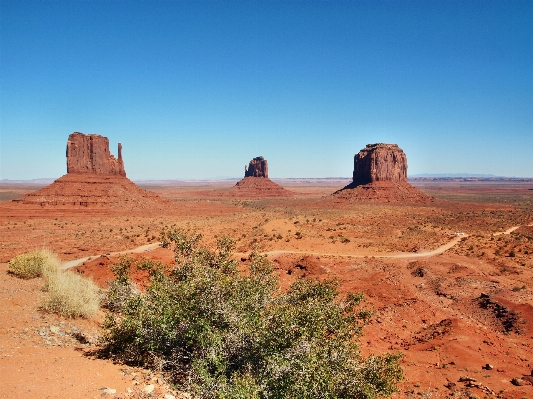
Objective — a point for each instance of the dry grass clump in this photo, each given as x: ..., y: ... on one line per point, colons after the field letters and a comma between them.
x: 67, y: 293
x: 34, y: 264
x: 70, y: 295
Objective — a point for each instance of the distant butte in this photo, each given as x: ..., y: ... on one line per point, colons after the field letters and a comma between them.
x: 94, y: 178
x: 258, y: 167
x: 380, y: 175
x: 256, y: 183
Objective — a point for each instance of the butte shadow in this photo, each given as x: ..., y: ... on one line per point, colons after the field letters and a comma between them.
x: 94, y: 178
x: 380, y: 175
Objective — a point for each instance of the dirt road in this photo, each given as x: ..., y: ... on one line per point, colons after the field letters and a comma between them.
x: 142, y: 248
x: 437, y: 251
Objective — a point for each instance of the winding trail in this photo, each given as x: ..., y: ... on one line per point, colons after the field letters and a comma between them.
x: 76, y: 262
x: 434, y: 252
x: 508, y: 231
x: 425, y: 254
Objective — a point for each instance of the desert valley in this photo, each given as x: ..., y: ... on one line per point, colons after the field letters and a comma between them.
x: 445, y: 265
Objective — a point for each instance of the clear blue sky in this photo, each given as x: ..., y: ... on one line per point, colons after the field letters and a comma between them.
x: 196, y: 89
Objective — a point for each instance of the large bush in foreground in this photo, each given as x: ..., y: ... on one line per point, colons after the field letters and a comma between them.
x: 227, y: 334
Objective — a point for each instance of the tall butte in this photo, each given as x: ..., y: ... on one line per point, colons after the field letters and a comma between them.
x: 256, y: 183
x: 94, y: 178
x: 89, y: 153
x: 380, y: 175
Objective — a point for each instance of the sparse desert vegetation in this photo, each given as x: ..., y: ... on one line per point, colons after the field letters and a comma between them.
x: 430, y: 309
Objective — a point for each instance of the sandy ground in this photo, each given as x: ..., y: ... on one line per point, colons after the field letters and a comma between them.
x: 451, y: 304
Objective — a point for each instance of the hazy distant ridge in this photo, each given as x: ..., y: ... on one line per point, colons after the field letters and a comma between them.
x: 453, y: 175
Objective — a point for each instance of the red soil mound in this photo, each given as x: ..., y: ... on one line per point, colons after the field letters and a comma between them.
x: 91, y: 190
x: 382, y: 191
x: 257, y: 187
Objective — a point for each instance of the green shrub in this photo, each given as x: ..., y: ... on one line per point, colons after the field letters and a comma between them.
x: 221, y: 333
x: 33, y: 264
x: 518, y: 288
x: 70, y: 295
x: 343, y: 239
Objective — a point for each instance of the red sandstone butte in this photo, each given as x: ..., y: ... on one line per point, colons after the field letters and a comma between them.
x: 379, y: 162
x: 89, y: 153
x: 380, y: 175
x: 258, y: 167
x: 94, y: 178
x: 256, y: 183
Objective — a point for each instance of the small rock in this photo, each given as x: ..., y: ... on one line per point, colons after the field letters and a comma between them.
x: 149, y: 388
x: 467, y: 379
x: 528, y: 378
x: 519, y: 382
x: 108, y: 391
x: 488, y: 367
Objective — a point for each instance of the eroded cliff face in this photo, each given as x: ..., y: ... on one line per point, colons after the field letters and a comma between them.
x: 258, y: 167
x: 89, y: 153
x: 380, y: 162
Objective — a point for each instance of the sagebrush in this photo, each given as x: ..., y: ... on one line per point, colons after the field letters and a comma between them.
x: 34, y: 264
x: 221, y: 333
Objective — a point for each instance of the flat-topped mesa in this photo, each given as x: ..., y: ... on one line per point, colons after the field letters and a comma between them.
x: 380, y: 175
x: 379, y: 162
x: 89, y: 154
x: 258, y: 167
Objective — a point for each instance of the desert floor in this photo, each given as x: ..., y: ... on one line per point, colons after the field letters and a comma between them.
x: 450, y: 312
